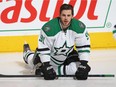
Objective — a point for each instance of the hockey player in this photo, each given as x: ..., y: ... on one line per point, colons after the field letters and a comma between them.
x: 114, y: 32
x: 55, y: 51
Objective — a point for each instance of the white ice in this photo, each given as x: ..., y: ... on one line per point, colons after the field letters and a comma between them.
x: 101, y: 62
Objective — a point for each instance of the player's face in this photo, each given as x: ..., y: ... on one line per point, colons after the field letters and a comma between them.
x: 66, y: 16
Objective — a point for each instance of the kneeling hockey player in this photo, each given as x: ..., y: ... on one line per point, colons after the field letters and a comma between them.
x: 55, y: 51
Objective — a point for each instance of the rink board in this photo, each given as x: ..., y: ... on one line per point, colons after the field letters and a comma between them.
x: 15, y: 43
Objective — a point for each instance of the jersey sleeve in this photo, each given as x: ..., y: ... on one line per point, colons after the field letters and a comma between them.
x: 43, y: 47
x: 83, y: 45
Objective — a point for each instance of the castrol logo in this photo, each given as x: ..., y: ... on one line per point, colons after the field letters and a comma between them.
x: 36, y: 12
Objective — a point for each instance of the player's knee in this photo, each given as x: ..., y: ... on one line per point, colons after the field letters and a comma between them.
x: 71, y: 68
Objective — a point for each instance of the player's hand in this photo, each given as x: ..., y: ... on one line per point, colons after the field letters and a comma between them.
x: 83, y: 70
x: 48, y: 71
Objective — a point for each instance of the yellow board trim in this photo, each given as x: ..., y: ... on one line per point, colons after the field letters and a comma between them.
x: 15, y: 43
x: 102, y: 40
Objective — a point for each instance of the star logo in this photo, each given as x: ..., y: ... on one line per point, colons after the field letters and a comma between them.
x: 64, y: 50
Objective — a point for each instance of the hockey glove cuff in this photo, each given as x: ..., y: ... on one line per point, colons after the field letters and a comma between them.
x: 83, y: 70
x: 48, y: 71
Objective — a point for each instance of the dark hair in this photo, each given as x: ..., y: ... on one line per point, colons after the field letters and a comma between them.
x: 66, y: 7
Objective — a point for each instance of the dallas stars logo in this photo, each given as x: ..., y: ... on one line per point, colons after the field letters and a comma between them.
x: 64, y: 50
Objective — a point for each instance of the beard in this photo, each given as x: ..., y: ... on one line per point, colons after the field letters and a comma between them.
x: 65, y: 24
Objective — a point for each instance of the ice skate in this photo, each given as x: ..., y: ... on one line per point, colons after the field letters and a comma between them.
x: 26, y: 52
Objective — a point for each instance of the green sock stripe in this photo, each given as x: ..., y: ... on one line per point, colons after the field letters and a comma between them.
x: 59, y: 70
x: 80, y: 51
x: 28, y: 53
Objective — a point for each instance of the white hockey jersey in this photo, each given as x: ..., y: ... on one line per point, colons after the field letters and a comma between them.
x: 54, y: 44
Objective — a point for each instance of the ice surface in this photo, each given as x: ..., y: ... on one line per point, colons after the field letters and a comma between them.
x: 101, y: 61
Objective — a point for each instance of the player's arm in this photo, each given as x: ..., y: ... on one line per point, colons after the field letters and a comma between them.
x: 83, y: 49
x: 44, y: 54
x: 83, y: 46
x: 43, y: 47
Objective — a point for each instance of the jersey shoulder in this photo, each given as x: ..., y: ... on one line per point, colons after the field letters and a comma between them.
x: 77, y: 26
x: 52, y: 27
